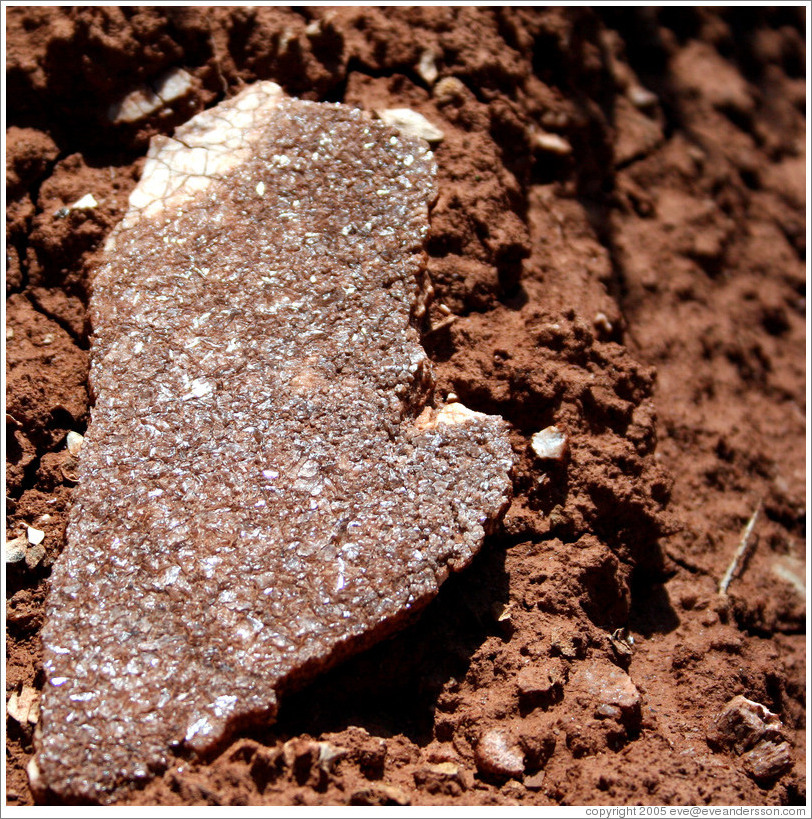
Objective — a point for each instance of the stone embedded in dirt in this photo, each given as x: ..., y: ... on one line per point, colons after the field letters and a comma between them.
x: 610, y: 690
x: 16, y: 549
x: 550, y: 444
x: 497, y: 754
x: 35, y: 536
x: 263, y: 488
x: 744, y: 723
x: 144, y: 101
x: 410, y: 123
x: 23, y: 706
x: 768, y: 760
x: 74, y: 441
x: 427, y: 68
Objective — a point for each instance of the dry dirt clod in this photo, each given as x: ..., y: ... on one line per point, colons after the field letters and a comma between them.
x: 442, y: 778
x: 541, y: 684
x: 34, y: 555
x: 497, y: 754
x: 536, y: 781
x: 379, y: 795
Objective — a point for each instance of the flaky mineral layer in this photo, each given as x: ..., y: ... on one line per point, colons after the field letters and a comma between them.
x: 263, y: 488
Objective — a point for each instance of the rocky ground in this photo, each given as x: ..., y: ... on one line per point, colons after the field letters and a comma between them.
x: 620, y: 246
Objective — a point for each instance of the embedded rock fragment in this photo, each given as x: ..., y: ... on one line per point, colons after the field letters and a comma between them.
x: 499, y: 755
x: 754, y: 733
x: 264, y: 485
x: 609, y: 691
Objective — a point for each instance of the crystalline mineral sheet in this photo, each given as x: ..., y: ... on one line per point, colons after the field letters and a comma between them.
x: 265, y: 485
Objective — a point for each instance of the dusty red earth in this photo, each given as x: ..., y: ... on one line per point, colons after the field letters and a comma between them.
x: 620, y: 241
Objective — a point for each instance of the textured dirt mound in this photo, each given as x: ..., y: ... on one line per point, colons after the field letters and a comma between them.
x: 618, y: 250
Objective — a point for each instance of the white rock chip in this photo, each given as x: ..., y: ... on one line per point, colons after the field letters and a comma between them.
x: 498, y: 754
x: 23, y: 707
x: 426, y: 67
x: 35, y: 536
x: 552, y: 144
x: 550, y: 444
x: 87, y: 202
x: 143, y: 101
x: 411, y: 123
x: 74, y: 442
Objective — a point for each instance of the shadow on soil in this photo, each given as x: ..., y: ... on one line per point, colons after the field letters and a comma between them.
x: 391, y: 689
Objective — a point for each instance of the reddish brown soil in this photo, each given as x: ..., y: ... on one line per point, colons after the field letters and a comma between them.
x: 646, y: 291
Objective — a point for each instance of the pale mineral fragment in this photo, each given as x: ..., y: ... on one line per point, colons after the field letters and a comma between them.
x: 550, y: 444
x: 265, y: 486
x: 144, y: 101
x: 497, y: 754
x: 410, y: 123
x: 74, y: 441
x: 16, y: 549
x: 427, y: 68
x: 23, y: 706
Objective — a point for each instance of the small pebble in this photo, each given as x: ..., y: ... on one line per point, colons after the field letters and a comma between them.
x: 35, y: 536
x: 550, y: 444
x: 552, y: 144
x: 74, y: 441
x: 87, y: 202
x: 24, y: 707
x: 426, y: 67
x: 15, y: 549
x: 641, y: 97
x: 411, y: 123
x: 498, y: 754
x: 449, y: 89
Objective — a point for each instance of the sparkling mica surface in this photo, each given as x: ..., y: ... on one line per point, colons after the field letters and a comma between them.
x: 262, y: 489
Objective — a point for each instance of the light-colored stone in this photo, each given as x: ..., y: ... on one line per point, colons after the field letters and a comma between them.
x: 74, y: 443
x: 426, y: 67
x: 550, y: 444
x: 23, y: 707
x: 411, y: 123
x: 16, y: 548
x: 552, y: 143
x: 35, y: 536
x: 497, y: 753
